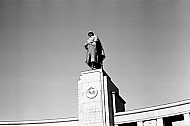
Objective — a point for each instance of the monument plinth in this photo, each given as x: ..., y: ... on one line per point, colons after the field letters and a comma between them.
x: 98, y: 99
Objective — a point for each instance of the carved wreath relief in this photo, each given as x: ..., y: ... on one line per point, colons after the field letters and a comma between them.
x: 92, y: 92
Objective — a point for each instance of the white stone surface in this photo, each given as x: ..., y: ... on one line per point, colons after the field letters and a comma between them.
x: 160, y: 122
x: 139, y: 123
x: 90, y: 98
x: 187, y: 119
x: 151, y: 113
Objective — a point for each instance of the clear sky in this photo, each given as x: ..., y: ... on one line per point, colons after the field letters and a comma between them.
x: 147, y: 46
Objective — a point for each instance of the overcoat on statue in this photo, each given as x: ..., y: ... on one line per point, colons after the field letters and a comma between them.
x: 95, y: 52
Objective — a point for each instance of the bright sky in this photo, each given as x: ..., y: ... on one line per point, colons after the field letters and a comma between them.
x: 147, y: 46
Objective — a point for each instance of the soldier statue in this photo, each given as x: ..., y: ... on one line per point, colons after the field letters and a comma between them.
x: 95, y: 53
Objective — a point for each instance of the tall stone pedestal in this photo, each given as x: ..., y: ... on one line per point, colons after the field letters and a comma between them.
x: 98, y: 99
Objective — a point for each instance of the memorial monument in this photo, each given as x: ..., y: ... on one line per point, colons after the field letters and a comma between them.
x: 100, y: 104
x: 98, y: 97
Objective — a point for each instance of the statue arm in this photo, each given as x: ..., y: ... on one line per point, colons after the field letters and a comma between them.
x: 96, y: 38
x: 103, y: 54
x: 86, y: 45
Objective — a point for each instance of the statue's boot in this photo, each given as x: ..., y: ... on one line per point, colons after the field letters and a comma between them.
x: 93, y: 65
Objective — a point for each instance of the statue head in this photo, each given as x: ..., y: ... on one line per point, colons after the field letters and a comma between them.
x: 90, y: 33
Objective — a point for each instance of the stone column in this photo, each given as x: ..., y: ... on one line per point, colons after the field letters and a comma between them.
x: 160, y: 122
x: 114, y: 106
x: 90, y: 100
x: 140, y: 123
x: 94, y: 105
x: 187, y: 119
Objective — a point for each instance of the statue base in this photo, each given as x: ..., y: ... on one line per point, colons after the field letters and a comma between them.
x: 98, y: 99
x: 94, y: 65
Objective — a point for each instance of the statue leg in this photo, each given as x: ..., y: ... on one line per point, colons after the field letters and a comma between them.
x: 93, y: 66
